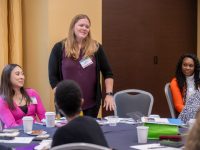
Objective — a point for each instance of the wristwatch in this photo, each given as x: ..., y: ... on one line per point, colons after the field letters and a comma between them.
x: 109, y: 93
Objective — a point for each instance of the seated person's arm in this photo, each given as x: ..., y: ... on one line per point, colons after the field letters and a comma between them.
x: 177, y: 96
x: 6, y: 115
x: 40, y: 110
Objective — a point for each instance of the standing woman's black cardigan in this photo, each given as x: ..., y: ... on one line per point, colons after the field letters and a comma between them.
x: 55, y: 65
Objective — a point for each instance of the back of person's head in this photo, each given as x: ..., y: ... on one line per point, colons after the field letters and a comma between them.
x: 193, y: 139
x: 68, y: 97
x: 181, y: 78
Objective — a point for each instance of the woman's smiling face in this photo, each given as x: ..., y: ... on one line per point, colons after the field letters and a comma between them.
x: 81, y: 29
x: 17, y: 77
x: 188, y: 66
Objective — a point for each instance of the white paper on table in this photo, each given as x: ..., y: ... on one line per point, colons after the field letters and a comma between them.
x: 120, y: 120
x: 11, y: 134
x: 24, y: 140
x: 155, y: 120
x: 162, y: 120
x: 153, y: 146
x: 45, y: 144
x: 127, y: 120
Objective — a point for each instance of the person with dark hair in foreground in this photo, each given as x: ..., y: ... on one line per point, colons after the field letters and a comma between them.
x: 68, y: 99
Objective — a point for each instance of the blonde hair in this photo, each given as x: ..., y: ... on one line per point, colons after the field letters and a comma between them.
x: 89, y: 45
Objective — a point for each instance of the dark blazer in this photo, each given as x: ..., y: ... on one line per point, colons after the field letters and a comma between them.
x: 55, y: 66
x: 81, y: 129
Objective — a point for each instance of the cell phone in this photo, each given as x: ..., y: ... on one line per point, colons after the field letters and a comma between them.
x: 171, y: 143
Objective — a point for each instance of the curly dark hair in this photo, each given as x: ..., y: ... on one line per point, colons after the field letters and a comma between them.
x: 68, y: 97
x: 181, y: 79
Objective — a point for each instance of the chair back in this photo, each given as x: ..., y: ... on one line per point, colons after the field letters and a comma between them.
x: 79, y: 146
x: 169, y: 98
x: 133, y: 100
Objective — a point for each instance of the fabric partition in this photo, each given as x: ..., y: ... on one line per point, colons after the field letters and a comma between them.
x: 10, y: 32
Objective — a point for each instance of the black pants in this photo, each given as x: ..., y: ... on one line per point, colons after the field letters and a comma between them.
x: 92, y: 112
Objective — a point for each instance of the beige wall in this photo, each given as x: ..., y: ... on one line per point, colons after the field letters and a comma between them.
x: 61, y: 12
x: 44, y: 23
x: 35, y: 46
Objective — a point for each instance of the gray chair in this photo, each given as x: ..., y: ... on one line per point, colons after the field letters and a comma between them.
x: 79, y: 146
x: 131, y: 101
x: 169, y: 98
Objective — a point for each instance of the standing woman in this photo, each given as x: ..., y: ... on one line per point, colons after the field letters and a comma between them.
x: 16, y: 101
x: 80, y: 58
x: 186, y: 82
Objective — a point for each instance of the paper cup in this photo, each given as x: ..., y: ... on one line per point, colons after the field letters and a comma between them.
x: 27, y: 123
x: 113, y: 120
x: 142, y: 133
x: 50, y: 119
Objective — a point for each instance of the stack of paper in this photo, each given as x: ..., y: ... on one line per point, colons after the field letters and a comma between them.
x: 169, y: 121
x: 9, y: 133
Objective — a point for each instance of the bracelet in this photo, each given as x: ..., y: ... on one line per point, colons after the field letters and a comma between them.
x: 109, y: 93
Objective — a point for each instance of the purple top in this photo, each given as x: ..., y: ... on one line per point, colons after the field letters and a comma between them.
x: 85, y: 77
x: 11, y: 118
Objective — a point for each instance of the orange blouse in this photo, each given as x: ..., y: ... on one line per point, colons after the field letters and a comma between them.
x: 177, y: 95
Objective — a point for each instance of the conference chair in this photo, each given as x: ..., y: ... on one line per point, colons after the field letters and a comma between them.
x: 134, y: 102
x: 79, y: 146
x: 169, y: 98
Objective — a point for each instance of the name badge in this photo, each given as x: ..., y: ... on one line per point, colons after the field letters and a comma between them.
x: 85, y: 62
x: 33, y: 100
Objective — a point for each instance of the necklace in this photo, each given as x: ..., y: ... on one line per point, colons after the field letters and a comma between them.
x: 20, y: 100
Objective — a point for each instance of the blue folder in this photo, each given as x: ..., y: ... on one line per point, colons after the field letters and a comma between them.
x: 174, y: 121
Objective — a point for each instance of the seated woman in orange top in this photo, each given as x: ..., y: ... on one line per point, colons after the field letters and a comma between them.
x: 186, y: 81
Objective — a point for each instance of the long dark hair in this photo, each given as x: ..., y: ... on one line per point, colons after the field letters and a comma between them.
x: 181, y: 79
x: 6, y: 90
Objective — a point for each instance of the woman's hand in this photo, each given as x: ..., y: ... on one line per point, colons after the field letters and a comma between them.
x: 109, y: 103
